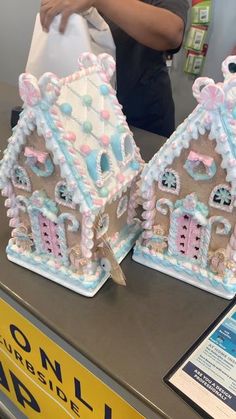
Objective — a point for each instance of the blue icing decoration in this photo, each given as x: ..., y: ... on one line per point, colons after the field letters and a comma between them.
x: 66, y: 154
x: 198, y: 175
x: 66, y: 108
x: 202, y: 276
x: 44, y: 106
x: 134, y: 165
x: 234, y: 113
x: 87, y: 127
x: 103, y: 192
x: 121, y: 128
x: 48, y: 167
x: 104, y: 90
x: 116, y: 146
x: 91, y: 161
x: 87, y: 100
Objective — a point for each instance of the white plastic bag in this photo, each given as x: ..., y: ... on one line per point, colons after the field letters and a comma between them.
x: 58, y: 53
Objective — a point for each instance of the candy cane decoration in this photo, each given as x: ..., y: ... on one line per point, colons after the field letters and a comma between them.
x: 221, y: 220
x: 162, y: 204
x: 71, y: 218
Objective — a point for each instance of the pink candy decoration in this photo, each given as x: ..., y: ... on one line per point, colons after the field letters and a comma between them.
x: 105, y: 115
x: 13, y: 222
x: 105, y: 140
x: 98, y: 202
x: 212, y: 96
x: 70, y: 136
x: 29, y: 90
x: 48, y: 134
x: 104, y: 77
x: 85, y: 149
x: 120, y: 177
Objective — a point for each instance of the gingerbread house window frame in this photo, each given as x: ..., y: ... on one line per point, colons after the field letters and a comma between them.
x: 166, y: 188
x: 221, y: 206
x: 25, y: 187
x: 61, y: 201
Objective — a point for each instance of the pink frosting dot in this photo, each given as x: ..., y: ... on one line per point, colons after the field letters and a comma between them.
x: 105, y: 115
x: 85, y: 149
x: 121, y: 177
x: 105, y: 140
x: 70, y: 136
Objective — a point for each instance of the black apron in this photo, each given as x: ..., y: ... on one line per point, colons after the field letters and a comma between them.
x: 143, y: 83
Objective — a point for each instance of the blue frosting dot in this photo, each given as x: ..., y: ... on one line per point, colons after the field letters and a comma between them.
x: 66, y: 108
x: 44, y: 106
x: 234, y: 112
x: 121, y: 128
x: 87, y: 100
x: 134, y: 165
x: 104, y: 90
x: 87, y: 127
x: 103, y: 192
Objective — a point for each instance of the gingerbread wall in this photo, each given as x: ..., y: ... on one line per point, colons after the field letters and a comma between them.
x: 202, y: 188
x: 47, y: 184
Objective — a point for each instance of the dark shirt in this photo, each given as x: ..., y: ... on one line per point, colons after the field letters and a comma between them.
x: 143, y: 83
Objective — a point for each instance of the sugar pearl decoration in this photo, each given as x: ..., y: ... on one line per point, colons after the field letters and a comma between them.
x: 66, y: 108
x: 85, y: 149
x: 70, y: 136
x: 103, y: 192
x: 121, y: 128
x: 105, y: 115
x: 134, y: 165
x: 87, y: 100
x: 120, y: 177
x: 87, y: 127
x: 104, y: 90
x: 105, y: 140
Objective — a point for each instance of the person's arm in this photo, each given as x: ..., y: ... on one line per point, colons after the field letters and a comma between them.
x: 152, y: 26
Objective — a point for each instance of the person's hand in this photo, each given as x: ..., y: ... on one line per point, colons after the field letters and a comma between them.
x: 50, y: 8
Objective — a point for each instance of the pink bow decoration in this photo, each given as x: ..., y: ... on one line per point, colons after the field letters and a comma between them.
x: 197, y: 158
x: 40, y: 156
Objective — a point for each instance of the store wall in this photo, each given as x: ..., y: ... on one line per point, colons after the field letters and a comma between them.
x: 16, y: 26
x: 222, y: 40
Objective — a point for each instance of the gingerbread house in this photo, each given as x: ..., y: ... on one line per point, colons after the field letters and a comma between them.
x: 69, y: 175
x: 189, y: 190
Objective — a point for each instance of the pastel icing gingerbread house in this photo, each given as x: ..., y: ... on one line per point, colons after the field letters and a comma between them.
x: 189, y: 190
x: 69, y: 175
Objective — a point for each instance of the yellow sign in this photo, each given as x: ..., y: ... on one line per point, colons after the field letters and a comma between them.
x: 44, y: 381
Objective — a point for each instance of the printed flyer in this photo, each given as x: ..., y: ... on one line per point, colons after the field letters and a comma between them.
x: 207, y: 377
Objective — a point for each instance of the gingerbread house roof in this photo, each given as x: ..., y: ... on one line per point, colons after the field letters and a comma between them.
x: 84, y: 129
x: 215, y: 114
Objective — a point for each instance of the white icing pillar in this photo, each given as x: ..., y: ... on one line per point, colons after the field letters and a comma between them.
x: 13, y: 211
x: 87, y: 242
x: 150, y: 211
x: 133, y: 203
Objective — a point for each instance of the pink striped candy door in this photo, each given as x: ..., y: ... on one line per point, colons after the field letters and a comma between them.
x: 49, y: 236
x: 188, y: 236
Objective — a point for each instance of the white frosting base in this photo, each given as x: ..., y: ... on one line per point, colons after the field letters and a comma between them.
x: 184, y: 277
